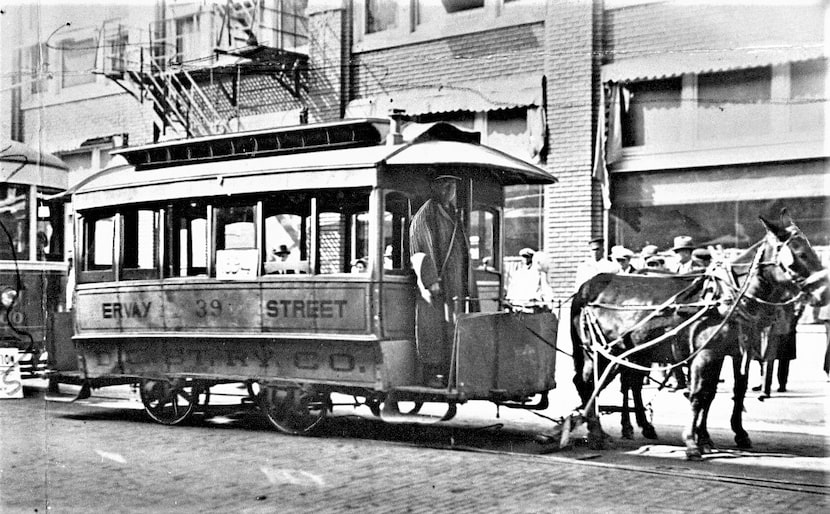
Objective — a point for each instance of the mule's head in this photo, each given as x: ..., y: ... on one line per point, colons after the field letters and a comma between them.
x: 795, y: 264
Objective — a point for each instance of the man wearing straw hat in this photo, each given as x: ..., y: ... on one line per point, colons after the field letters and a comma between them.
x: 683, y: 248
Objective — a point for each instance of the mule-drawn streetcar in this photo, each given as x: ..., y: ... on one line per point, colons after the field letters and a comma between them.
x: 229, y: 259
x: 33, y: 265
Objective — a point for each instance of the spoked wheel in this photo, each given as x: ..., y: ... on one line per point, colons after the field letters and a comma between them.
x: 170, y: 402
x: 294, y: 410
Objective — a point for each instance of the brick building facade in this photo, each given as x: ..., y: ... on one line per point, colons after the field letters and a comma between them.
x: 528, y: 75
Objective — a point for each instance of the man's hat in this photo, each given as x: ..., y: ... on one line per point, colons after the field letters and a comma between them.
x: 621, y: 252
x: 683, y: 243
x: 702, y: 254
x: 526, y: 252
x: 649, y: 250
x: 282, y: 251
x: 446, y: 177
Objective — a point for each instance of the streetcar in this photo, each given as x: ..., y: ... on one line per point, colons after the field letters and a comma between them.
x: 231, y: 259
x: 33, y: 261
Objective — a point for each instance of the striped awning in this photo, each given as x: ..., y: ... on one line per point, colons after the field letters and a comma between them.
x: 475, y: 96
x: 675, y: 64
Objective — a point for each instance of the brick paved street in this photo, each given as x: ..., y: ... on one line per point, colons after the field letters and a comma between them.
x: 74, y: 458
x: 106, y: 456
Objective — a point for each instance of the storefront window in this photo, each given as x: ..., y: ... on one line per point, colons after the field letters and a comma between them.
x: 729, y: 225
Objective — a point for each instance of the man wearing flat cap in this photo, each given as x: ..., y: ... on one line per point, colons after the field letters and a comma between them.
x: 595, y: 263
x: 622, y: 256
x: 701, y: 259
x: 440, y: 256
x: 529, y: 287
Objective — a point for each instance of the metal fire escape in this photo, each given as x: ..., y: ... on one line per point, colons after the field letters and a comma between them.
x: 162, y: 68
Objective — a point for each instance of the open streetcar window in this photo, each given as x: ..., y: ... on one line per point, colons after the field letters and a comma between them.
x: 14, y: 215
x: 50, y: 226
x: 484, y: 240
x: 286, y: 242
x: 98, y: 243
x: 140, y: 248
x: 188, y: 240
x: 395, y: 232
x: 342, y: 232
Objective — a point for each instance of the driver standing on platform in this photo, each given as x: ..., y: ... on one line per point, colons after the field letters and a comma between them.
x: 440, y: 256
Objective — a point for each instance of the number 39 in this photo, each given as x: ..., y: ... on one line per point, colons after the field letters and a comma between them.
x: 204, y: 309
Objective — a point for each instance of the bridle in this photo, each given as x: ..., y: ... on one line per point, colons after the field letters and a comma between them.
x: 783, y: 260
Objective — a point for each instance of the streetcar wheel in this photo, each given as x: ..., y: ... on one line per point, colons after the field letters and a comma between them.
x: 294, y: 411
x: 170, y: 402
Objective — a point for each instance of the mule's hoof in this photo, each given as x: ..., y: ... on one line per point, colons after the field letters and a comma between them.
x: 693, y: 454
x: 743, y: 442
x: 649, y: 432
x: 598, y: 442
x: 627, y: 433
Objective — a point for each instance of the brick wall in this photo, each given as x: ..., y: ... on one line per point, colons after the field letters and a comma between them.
x: 329, y: 44
x: 650, y: 29
x: 65, y: 126
x: 494, y: 53
x: 572, y: 207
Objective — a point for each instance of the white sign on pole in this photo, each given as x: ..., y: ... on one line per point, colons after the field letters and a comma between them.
x: 11, y: 385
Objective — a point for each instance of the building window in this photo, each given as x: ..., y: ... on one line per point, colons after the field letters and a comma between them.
x: 290, y: 23
x: 461, y: 5
x: 39, y: 64
x: 380, y: 15
x: 185, y: 35
x: 650, y: 115
x: 115, y: 48
x: 78, y: 62
x: 734, y: 102
x: 807, y: 96
x: 431, y: 11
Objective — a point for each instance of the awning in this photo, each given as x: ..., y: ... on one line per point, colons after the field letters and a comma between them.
x: 675, y: 64
x: 475, y: 96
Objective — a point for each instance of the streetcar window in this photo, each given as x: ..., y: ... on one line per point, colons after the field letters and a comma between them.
x: 286, y: 239
x: 187, y: 256
x: 395, y: 232
x: 14, y: 218
x: 235, y: 241
x: 50, y: 227
x: 141, y: 229
x: 342, y: 219
x: 98, y: 247
x: 483, y: 240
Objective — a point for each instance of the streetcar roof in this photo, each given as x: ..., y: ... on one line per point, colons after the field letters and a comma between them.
x: 351, y: 164
x: 22, y: 164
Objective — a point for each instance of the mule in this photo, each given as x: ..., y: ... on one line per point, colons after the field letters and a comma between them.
x: 631, y: 321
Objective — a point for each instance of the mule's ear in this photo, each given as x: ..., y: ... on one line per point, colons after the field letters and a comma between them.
x: 779, y: 232
x: 786, y: 219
